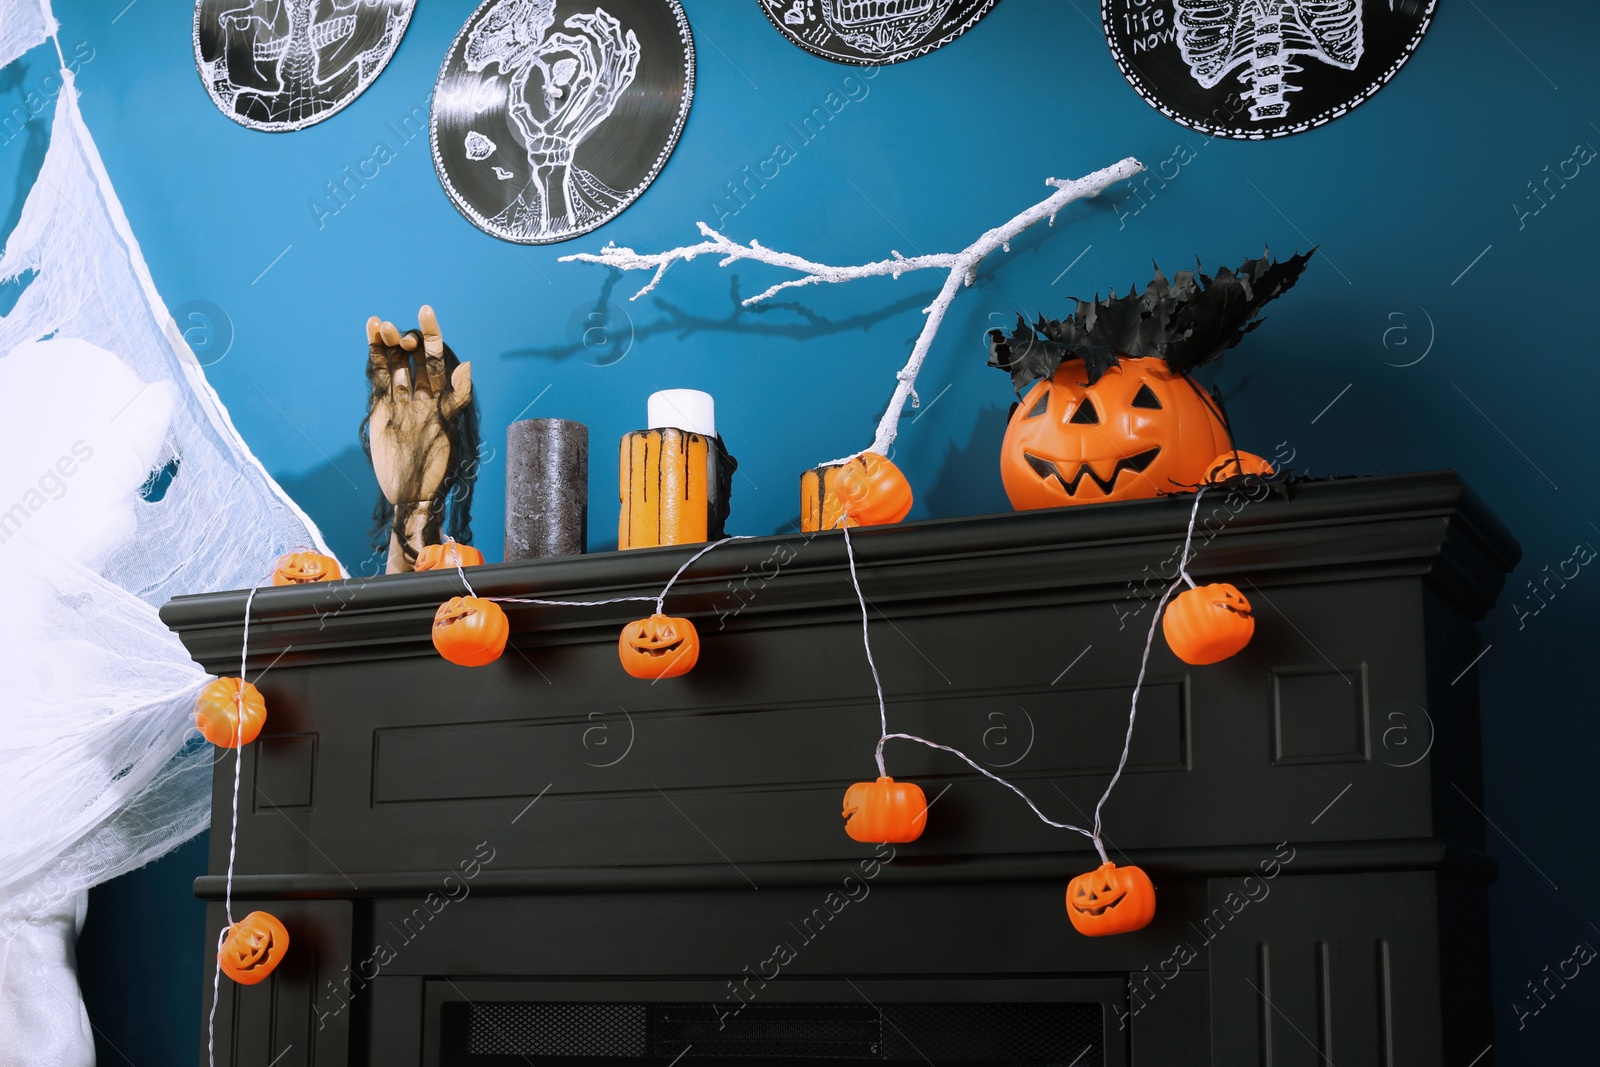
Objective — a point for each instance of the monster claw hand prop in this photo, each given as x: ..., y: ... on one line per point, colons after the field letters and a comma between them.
x: 421, y: 433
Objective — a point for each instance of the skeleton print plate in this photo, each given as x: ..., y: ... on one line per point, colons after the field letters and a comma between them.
x: 552, y: 116
x: 287, y: 64
x: 870, y: 32
x: 1251, y: 69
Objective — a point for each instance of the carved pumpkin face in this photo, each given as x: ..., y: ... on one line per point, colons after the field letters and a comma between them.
x: 448, y: 557
x: 253, y: 947
x: 1208, y: 623
x: 1138, y: 432
x: 885, y: 811
x: 470, y: 630
x: 223, y: 705
x: 659, y: 647
x: 1111, y: 900
x: 301, y: 568
x: 868, y: 490
x: 1235, y: 464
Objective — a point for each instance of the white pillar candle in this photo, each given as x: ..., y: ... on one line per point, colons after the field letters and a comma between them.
x: 683, y: 409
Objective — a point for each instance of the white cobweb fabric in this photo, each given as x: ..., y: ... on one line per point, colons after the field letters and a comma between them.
x: 101, y: 769
x: 22, y: 26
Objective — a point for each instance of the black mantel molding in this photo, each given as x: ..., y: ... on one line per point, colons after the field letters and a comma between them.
x: 1427, y: 523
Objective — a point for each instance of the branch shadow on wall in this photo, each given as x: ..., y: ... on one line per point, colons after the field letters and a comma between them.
x: 744, y: 321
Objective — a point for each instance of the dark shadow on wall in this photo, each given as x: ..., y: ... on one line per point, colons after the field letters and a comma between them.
x: 142, y: 962
x: 759, y: 320
x: 969, y: 481
x: 339, y: 497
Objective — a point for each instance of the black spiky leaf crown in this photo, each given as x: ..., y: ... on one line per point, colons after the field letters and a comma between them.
x: 1188, y: 322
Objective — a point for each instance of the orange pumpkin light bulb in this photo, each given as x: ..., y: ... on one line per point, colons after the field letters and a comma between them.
x: 470, y: 630
x: 253, y: 947
x: 1235, y: 464
x: 1139, y: 431
x: 867, y: 490
x: 221, y: 708
x: 302, y: 568
x: 659, y: 647
x: 885, y: 811
x: 448, y: 557
x: 1208, y: 623
x: 1111, y: 900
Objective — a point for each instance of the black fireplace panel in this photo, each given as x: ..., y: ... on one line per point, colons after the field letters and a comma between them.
x: 641, y: 1035
x: 493, y: 1024
x: 585, y: 864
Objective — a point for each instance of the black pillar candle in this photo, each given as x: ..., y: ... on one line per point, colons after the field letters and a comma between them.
x: 547, y: 488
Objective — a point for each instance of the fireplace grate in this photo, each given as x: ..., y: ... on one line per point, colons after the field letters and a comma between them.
x: 641, y: 1034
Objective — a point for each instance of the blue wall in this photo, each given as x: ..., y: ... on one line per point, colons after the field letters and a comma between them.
x: 1402, y: 196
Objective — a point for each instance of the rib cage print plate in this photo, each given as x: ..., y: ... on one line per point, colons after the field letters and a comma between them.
x: 872, y: 32
x: 1252, y: 69
x: 281, y: 65
x: 552, y: 116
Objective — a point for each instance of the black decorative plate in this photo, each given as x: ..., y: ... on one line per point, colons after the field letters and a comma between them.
x: 1251, y: 69
x: 552, y: 116
x: 872, y: 32
x: 287, y: 64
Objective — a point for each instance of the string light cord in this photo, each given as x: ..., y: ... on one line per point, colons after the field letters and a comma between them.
x: 1095, y: 834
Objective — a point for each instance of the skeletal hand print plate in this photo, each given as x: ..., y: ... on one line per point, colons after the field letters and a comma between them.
x: 287, y: 64
x: 552, y: 116
x: 1252, y: 69
x: 872, y: 32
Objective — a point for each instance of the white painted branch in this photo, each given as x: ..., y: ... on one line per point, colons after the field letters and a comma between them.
x: 962, y: 267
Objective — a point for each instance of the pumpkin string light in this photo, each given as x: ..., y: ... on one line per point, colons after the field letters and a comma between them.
x: 1095, y: 834
x: 679, y: 664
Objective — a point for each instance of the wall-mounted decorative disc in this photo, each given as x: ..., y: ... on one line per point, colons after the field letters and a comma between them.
x: 1251, y: 69
x: 288, y: 64
x: 552, y: 116
x: 871, y: 32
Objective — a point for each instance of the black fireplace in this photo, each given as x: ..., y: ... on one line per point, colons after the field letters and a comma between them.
x: 546, y: 861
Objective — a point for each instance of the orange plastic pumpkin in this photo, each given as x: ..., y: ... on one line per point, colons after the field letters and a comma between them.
x: 1208, y: 623
x: 868, y: 490
x: 221, y: 707
x: 300, y: 568
x: 448, y: 557
x: 253, y: 947
x: 470, y: 630
x: 1111, y: 900
x: 659, y: 647
x: 885, y: 811
x: 1137, y: 432
x: 1236, y: 464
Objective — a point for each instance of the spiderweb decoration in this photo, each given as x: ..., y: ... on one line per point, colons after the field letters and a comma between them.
x: 133, y: 489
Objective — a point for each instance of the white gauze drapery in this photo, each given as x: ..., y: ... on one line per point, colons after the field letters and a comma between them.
x: 101, y: 769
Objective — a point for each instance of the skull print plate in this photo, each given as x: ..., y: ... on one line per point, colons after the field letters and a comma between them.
x: 281, y: 65
x: 552, y: 116
x: 1252, y: 69
x: 871, y: 32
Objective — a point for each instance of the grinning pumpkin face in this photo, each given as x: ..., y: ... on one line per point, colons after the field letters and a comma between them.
x: 885, y: 811
x: 470, y: 630
x: 221, y: 708
x: 301, y: 568
x: 253, y: 947
x: 1111, y: 900
x: 1208, y: 623
x: 658, y: 647
x: 448, y: 557
x: 1137, y: 432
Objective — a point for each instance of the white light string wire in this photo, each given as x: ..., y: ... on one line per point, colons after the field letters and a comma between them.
x: 1093, y: 835
x: 659, y: 601
x: 233, y: 833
